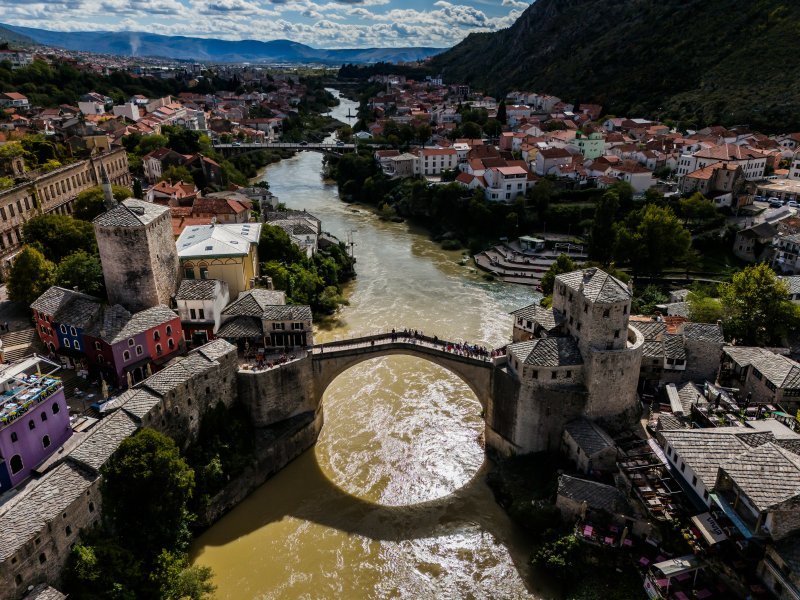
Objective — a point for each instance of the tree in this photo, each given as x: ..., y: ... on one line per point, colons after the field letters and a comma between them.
x: 563, y: 264
x: 59, y: 235
x: 601, y: 239
x: 149, y: 143
x: 757, y: 307
x: 83, y: 271
x: 146, y: 487
x: 651, y: 238
x: 176, y: 173
x: 275, y: 245
x: 137, y: 189
x: 90, y: 203
x: 540, y: 196
x: 703, y: 308
x: 559, y: 557
x: 645, y: 302
x: 502, y: 113
x: 31, y: 275
x: 177, y: 580
x: 471, y: 130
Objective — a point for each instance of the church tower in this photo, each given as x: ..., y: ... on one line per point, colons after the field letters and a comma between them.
x: 137, y: 251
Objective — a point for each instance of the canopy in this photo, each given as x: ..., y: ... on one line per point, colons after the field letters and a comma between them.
x: 677, y: 566
x: 709, y: 528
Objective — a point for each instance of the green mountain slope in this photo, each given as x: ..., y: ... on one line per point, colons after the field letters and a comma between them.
x: 701, y: 61
x: 12, y: 37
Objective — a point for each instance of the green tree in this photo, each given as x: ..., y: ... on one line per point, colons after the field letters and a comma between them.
x: 471, y: 130
x: 757, y: 307
x: 502, y: 113
x: 182, y: 140
x: 645, y: 302
x: 559, y: 557
x: 149, y: 143
x: 650, y: 239
x: 90, y: 203
x: 704, y: 309
x: 137, y: 189
x: 59, y: 235
x: 275, y: 245
x: 563, y: 264
x: 31, y: 275
x: 176, y: 579
x: 146, y: 488
x: 601, y: 239
x: 541, y: 195
x: 83, y: 271
x: 697, y: 208
x: 176, y: 173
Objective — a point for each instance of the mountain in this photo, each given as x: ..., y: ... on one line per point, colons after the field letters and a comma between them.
x: 14, y: 38
x: 701, y: 61
x: 132, y: 43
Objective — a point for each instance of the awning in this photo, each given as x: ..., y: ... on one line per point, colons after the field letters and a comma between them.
x: 709, y: 528
x: 732, y: 515
x: 678, y: 566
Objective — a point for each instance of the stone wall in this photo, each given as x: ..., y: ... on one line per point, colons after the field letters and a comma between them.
x: 272, y: 455
x: 702, y: 359
x: 278, y: 394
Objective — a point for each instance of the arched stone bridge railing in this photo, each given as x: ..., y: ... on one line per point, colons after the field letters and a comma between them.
x: 332, y: 359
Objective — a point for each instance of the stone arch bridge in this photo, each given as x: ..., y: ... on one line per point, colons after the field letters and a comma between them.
x: 332, y: 359
x: 236, y: 148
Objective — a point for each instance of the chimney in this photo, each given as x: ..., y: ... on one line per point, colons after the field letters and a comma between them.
x: 108, y: 194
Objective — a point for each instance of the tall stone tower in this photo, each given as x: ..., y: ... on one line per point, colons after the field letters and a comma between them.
x: 596, y: 309
x: 138, y: 254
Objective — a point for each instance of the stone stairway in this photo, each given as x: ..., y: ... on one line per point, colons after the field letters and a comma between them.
x: 21, y: 343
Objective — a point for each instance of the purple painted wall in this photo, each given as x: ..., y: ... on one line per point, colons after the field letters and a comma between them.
x: 119, y: 352
x: 29, y: 444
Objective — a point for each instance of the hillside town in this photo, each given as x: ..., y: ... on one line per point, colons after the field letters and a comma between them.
x: 682, y: 442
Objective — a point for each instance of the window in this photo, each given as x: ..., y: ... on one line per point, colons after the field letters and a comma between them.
x: 683, y: 467
x: 625, y: 310
x: 91, y: 506
x: 192, y: 314
x: 44, y: 416
x: 156, y: 335
x: 606, y: 313
x: 126, y: 355
x: 188, y: 273
x: 139, y: 350
x: 42, y: 558
x: 76, y: 345
x: 553, y: 375
x: 31, y: 425
x: 63, y: 329
x: 569, y: 374
x: 278, y: 326
x: 72, y: 331
x: 579, y: 326
x: 14, y: 436
x: 68, y: 530
x: 694, y: 480
x: 131, y: 342
x: 616, y: 333
x: 66, y: 343
x: 202, y: 313
x: 16, y: 464
x: 203, y: 272
x: 705, y: 495
x: 170, y: 343
x: 535, y: 374
x: 297, y: 326
x: 97, y: 346
x: 45, y: 441
x: 159, y: 351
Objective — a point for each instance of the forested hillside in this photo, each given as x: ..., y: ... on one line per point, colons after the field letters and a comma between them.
x: 700, y: 61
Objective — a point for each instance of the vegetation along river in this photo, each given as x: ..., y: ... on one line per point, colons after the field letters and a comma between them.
x: 392, y: 502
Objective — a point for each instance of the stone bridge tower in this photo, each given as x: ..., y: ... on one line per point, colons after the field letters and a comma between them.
x: 138, y: 254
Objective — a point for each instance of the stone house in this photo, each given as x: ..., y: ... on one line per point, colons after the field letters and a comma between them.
x: 535, y: 321
x: 261, y: 319
x: 62, y: 317
x: 42, y: 522
x: 787, y: 254
x: 762, y: 485
x: 34, y: 418
x: 780, y: 568
x: 225, y: 252
x: 200, y: 303
x: 589, y: 447
x: 578, y: 499
x: 763, y: 376
x: 754, y: 244
x: 156, y: 162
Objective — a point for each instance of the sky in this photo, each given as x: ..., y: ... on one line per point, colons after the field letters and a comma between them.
x: 318, y: 23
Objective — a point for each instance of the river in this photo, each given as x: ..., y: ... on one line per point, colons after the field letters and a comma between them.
x: 391, y: 502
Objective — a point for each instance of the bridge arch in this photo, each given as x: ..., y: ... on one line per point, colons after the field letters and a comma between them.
x: 331, y: 360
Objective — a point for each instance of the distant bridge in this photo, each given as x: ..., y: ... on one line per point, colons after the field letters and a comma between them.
x: 332, y: 359
x: 236, y: 148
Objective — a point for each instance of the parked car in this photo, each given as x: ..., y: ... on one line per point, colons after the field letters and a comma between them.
x: 758, y: 198
x: 304, y: 143
x: 775, y: 203
x: 792, y: 204
x: 236, y: 144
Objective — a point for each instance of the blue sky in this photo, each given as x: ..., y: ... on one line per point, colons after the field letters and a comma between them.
x: 320, y: 23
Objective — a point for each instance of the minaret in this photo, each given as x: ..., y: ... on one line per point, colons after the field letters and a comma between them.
x: 108, y: 194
